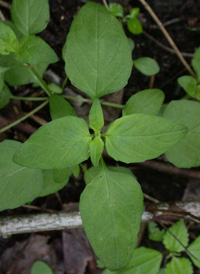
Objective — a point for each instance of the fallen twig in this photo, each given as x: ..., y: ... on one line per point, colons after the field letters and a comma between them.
x: 167, y: 168
x: 58, y: 221
x: 5, y: 4
x: 168, y: 37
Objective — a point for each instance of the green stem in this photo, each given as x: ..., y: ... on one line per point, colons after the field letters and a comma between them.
x: 28, y: 98
x: 24, y: 117
x: 41, y: 82
x: 64, y: 83
x: 80, y: 99
x: 83, y: 168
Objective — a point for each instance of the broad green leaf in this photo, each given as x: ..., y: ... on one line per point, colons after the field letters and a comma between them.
x: 134, y: 13
x: 162, y: 271
x: 194, y: 248
x: 50, y: 186
x: 59, y: 107
x: 76, y: 171
x: 144, y: 261
x: 94, y: 171
x: 40, y: 267
x: 34, y: 50
x: 118, y: 198
x: 8, y: 40
x: 2, y: 72
x: 140, y: 137
x: 196, y: 63
x: 116, y: 9
x: 20, y: 75
x: 97, y: 53
x: 96, y: 118
x: 155, y: 233
x: 146, y: 65
x: 131, y: 44
x: 189, y: 84
x: 62, y: 175
x: 14, y: 28
x: 96, y: 150
x: 148, y: 101
x: 30, y: 16
x: 4, y: 96
x: 18, y: 185
x: 134, y: 26
x: 180, y: 232
x: 61, y: 143
x: 55, y: 88
x: 186, y: 153
x: 179, y: 266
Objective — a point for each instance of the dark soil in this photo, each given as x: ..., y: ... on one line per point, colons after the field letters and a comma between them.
x: 185, y: 32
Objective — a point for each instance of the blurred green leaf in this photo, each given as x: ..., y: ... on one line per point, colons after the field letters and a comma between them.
x: 146, y: 65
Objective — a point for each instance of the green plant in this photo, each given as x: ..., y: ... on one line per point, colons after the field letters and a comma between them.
x: 175, y: 240
x: 98, y: 62
x: 40, y: 267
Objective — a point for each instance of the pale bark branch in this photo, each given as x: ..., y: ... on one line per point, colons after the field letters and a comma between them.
x: 63, y: 220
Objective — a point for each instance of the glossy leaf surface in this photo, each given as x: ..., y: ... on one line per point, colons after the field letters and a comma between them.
x: 18, y: 185
x: 116, y: 9
x: 117, y: 197
x: 140, y: 137
x: 148, y: 101
x: 30, y: 16
x: 61, y: 143
x: 186, y: 153
x: 189, y: 84
x: 134, y: 26
x: 97, y: 53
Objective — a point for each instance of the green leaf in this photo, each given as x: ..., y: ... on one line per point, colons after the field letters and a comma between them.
x: 96, y: 150
x: 18, y: 185
x: 131, y: 44
x: 116, y: 9
x: 146, y: 65
x: 134, y: 13
x: 92, y: 172
x: 144, y: 260
x: 179, y: 266
x: 59, y: 107
x: 50, y: 186
x: 61, y: 143
x: 148, y: 101
x: 61, y: 176
x: 55, y: 88
x: 4, y: 96
x: 34, y: 50
x: 97, y: 53
x: 189, y: 84
x: 155, y: 233
x: 14, y: 28
x: 186, y: 153
x: 180, y: 232
x: 8, y: 40
x: 140, y: 137
x: 196, y: 63
x: 162, y: 271
x: 134, y: 26
x: 76, y: 171
x: 40, y: 267
x: 96, y: 118
x: 118, y: 198
x: 194, y: 248
x: 2, y: 72
x: 30, y: 16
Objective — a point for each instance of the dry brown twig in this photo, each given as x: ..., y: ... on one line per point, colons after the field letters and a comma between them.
x: 168, y: 37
